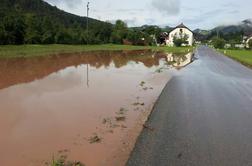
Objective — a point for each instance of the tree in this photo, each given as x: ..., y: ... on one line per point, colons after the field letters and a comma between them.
x: 19, y: 30
x: 14, y: 29
x: 232, y: 43
x: 2, y: 35
x: 119, y: 32
x: 134, y: 36
x: 152, y: 30
x: 34, y: 30
x: 48, y: 31
x: 104, y: 32
x: 48, y: 38
x: 218, y: 42
x: 180, y: 40
x: 153, y: 33
x: 63, y: 37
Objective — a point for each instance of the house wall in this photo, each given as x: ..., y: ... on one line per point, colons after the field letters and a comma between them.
x: 248, y: 41
x: 176, y: 32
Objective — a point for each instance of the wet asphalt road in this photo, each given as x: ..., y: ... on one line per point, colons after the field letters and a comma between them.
x: 203, y: 117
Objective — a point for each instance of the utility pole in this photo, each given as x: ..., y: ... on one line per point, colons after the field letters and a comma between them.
x: 87, y: 20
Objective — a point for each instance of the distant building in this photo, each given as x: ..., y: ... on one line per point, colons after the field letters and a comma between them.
x: 180, y: 31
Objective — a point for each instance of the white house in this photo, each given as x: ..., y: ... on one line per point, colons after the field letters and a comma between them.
x: 180, y: 31
x: 247, y: 41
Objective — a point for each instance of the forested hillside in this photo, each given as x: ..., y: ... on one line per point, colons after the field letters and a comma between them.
x: 37, y: 22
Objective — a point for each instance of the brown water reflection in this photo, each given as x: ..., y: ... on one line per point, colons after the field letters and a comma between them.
x: 46, y: 108
x: 13, y: 71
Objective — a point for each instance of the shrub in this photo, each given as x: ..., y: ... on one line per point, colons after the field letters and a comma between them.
x: 179, y: 41
x: 218, y: 42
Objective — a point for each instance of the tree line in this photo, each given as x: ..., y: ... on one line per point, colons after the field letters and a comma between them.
x: 18, y: 28
x: 32, y: 29
x: 37, y: 22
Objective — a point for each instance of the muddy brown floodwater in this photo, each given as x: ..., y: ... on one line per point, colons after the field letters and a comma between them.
x: 84, y: 107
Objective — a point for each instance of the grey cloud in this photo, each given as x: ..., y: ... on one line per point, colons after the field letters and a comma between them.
x: 202, y: 18
x: 71, y: 4
x: 213, y: 14
x: 168, y: 7
x: 131, y: 22
x: 150, y: 21
x: 135, y: 21
x: 194, y: 20
x: 234, y: 12
x: 119, y: 10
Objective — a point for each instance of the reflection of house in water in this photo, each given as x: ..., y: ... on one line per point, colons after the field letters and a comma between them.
x: 179, y: 60
x: 21, y: 70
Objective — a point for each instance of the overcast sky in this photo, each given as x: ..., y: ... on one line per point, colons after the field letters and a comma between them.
x: 204, y: 14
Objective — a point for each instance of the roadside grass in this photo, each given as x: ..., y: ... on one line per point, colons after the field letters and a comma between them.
x: 13, y: 51
x: 63, y: 162
x: 243, y: 56
x: 174, y: 49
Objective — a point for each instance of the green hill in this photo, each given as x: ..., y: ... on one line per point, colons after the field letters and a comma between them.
x: 233, y: 33
x: 36, y: 22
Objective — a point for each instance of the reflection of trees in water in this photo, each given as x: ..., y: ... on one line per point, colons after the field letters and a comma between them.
x: 22, y: 70
x: 14, y: 71
x: 120, y: 59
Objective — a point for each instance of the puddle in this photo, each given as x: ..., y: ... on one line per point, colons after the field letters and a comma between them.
x: 88, y: 107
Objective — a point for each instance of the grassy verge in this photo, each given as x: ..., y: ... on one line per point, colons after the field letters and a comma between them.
x: 243, y: 56
x: 11, y: 51
x: 174, y: 49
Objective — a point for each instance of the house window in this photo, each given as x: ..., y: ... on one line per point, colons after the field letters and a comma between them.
x: 181, y: 30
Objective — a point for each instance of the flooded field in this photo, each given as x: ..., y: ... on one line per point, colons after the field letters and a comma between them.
x: 84, y: 107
